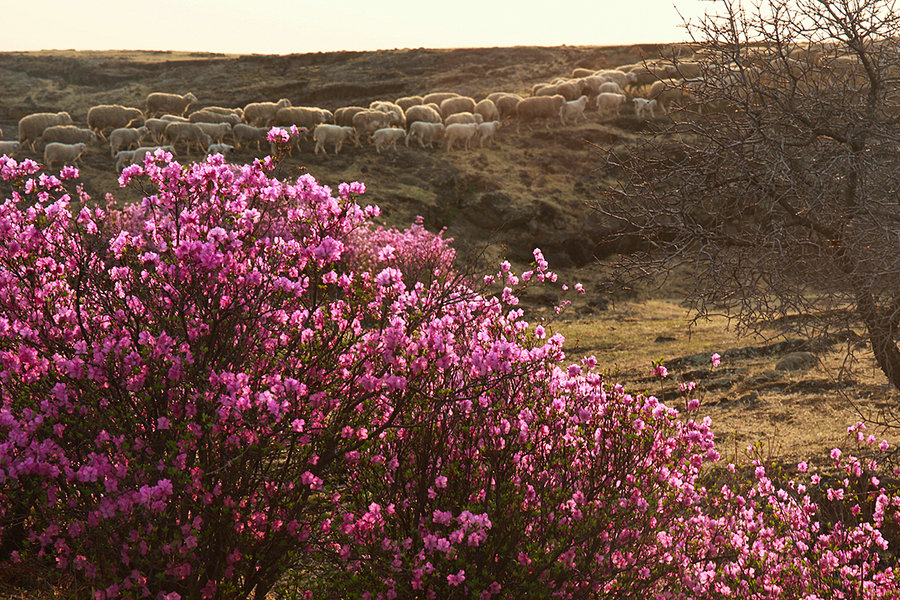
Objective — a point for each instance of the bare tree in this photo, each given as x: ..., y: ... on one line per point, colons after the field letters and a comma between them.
x: 777, y: 183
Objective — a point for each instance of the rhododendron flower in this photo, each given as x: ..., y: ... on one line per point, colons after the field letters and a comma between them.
x: 457, y: 579
x: 715, y: 359
x: 660, y: 371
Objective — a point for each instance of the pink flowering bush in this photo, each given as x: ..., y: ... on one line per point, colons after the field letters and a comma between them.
x: 242, y: 378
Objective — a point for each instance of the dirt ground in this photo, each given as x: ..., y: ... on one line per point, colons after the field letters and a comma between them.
x: 534, y: 187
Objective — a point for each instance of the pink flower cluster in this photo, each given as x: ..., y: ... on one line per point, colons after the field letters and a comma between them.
x: 240, y: 376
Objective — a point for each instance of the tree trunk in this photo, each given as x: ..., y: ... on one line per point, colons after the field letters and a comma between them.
x: 882, y: 328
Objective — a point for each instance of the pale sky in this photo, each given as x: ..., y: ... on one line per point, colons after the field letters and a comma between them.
x: 289, y: 26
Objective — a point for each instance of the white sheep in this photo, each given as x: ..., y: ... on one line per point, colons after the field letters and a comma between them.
x: 189, y: 133
x: 344, y: 115
x: 424, y: 113
x: 216, y: 131
x: 160, y: 103
x: 124, y: 138
x: 302, y: 116
x: 437, y: 97
x: 239, y: 112
x: 608, y: 87
x: 399, y: 118
x: 388, y: 136
x: 506, y: 103
x: 642, y: 106
x: 459, y: 132
x: 32, y: 126
x: 608, y: 102
x: 463, y: 117
x: 262, y: 114
x: 538, y: 107
x: 65, y: 134
x: 156, y: 127
x: 106, y: 117
x: 406, y: 101
x: 173, y: 118
x: 573, y: 109
x: 211, y: 116
x: 368, y: 121
x: 66, y: 154
x: 223, y: 149
x: 248, y: 134
x: 9, y: 148
x: 425, y: 132
x: 326, y: 133
x: 487, y: 131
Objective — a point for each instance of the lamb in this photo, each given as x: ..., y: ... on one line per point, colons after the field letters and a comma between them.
x: 301, y: 116
x: 248, y: 134
x: 344, y: 115
x: 66, y: 134
x: 407, y: 101
x: 456, y: 104
x: 437, y: 97
x: 463, y: 117
x: 368, y: 121
x: 160, y: 103
x: 32, y: 126
x: 459, y: 132
x: 327, y: 133
x: 223, y: 149
x: 486, y: 132
x: 399, y: 117
x: 216, y: 131
x: 124, y: 138
x: 209, y: 116
x: 262, y: 114
x: 423, y: 113
x: 425, y: 132
x: 383, y: 138
x: 189, y: 133
x: 539, y: 107
x: 609, y: 102
x: 573, y: 110
x: 106, y: 117
x: 9, y: 148
x: 488, y: 110
x: 65, y: 154
x: 642, y: 106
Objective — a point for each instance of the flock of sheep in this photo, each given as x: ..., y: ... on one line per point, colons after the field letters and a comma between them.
x: 446, y: 118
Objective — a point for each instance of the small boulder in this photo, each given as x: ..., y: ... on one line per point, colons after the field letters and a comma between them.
x: 797, y: 361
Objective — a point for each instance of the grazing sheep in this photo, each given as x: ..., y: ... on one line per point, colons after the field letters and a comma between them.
x: 424, y: 113
x: 456, y: 104
x: 686, y: 70
x: 156, y: 127
x: 538, y: 107
x: 65, y: 134
x: 608, y: 102
x: 615, y: 76
x: 573, y: 110
x: 160, y: 103
x: 188, y: 133
x: 65, y: 154
x: 407, y: 101
x: 642, y: 106
x: 106, y: 117
x: 608, y: 87
x: 175, y: 118
x: 383, y: 138
x: 667, y: 92
x: 301, y: 116
x: 487, y: 131
x: 262, y: 114
x: 216, y: 131
x: 459, y: 132
x: 248, y: 134
x: 223, y: 149
x: 293, y: 143
x: 488, y: 110
x: 368, y: 121
x: 239, y: 112
x: 399, y: 117
x: 9, y: 148
x: 437, y: 97
x: 506, y: 103
x: 425, y: 132
x: 463, y: 117
x: 327, y: 133
x: 209, y: 116
x: 344, y: 115
x: 32, y: 126
x: 124, y: 138
x: 581, y: 72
